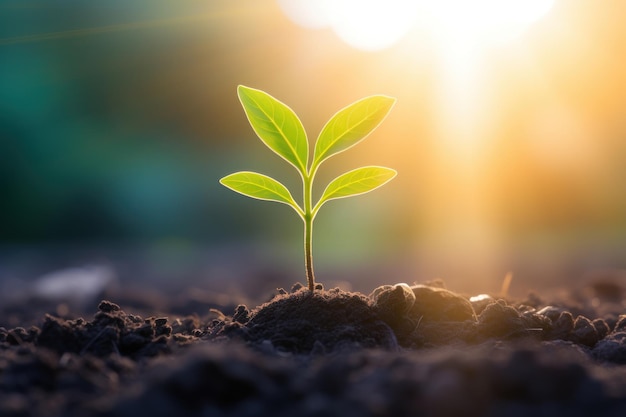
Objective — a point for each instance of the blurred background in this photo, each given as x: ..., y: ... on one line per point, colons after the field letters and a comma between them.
x: 118, y: 118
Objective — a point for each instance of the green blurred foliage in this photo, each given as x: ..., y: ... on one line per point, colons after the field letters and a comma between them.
x: 94, y: 143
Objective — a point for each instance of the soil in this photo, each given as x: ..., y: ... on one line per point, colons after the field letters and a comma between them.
x: 419, y: 350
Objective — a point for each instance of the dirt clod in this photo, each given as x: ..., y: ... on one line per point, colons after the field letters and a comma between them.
x: 336, y: 319
x: 440, y: 305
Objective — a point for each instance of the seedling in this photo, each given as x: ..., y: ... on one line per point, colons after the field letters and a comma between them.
x: 282, y: 131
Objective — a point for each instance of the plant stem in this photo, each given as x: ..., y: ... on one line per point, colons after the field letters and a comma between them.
x: 308, y: 231
x: 308, y: 252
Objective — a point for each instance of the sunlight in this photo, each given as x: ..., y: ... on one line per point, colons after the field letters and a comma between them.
x: 486, y: 21
x: 457, y: 42
x: 372, y: 24
x: 461, y: 33
x: 377, y: 24
x: 363, y: 24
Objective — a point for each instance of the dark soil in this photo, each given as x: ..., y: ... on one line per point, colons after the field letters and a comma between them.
x: 403, y: 350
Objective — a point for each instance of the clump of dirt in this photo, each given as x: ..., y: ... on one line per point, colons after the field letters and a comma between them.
x: 319, y: 322
x: 421, y: 314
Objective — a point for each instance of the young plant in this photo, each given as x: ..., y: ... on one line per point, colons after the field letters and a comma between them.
x: 281, y: 130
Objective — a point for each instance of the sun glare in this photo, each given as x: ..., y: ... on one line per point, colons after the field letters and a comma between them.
x: 460, y: 31
x: 372, y: 24
x: 462, y: 35
x: 363, y: 24
x: 484, y: 21
x: 379, y: 24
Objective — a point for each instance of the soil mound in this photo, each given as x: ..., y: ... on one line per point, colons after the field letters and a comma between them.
x: 319, y: 322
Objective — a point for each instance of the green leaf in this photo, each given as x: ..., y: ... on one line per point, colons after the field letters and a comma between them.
x: 359, y: 181
x: 351, y: 125
x: 259, y: 186
x: 276, y: 125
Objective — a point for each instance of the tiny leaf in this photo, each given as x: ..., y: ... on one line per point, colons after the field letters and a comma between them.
x: 276, y: 125
x: 359, y: 181
x: 351, y: 125
x: 259, y: 186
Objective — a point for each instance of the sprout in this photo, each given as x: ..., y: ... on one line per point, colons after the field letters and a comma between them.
x: 282, y: 131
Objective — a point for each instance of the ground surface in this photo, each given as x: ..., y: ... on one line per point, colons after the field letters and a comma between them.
x: 416, y: 350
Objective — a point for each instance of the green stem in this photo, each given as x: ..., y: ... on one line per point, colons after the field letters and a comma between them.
x: 308, y: 252
x: 308, y: 232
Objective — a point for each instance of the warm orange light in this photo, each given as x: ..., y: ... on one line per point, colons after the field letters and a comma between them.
x: 510, y: 121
